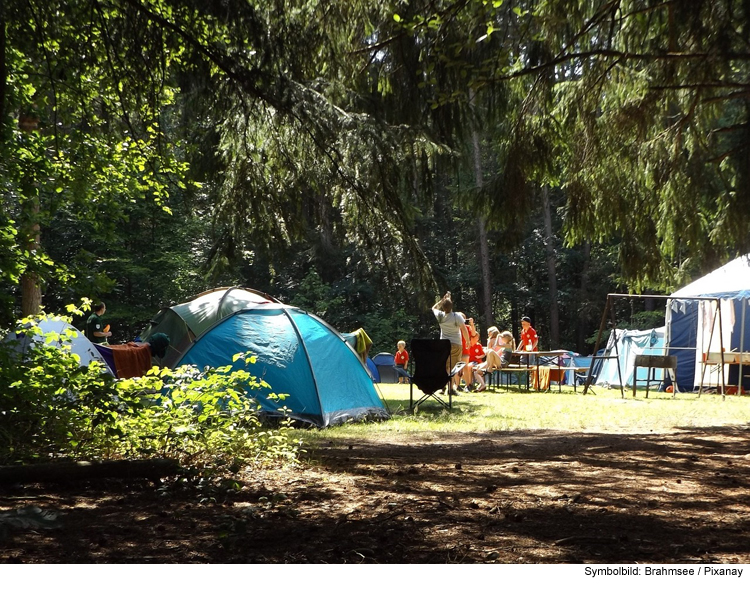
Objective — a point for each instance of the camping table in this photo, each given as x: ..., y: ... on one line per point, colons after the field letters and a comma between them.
x: 542, y: 372
x: 651, y: 362
x: 727, y: 359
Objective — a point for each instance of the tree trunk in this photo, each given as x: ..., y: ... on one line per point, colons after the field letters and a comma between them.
x: 583, y: 299
x: 31, y: 292
x: 70, y: 471
x: 31, y: 295
x: 554, y: 312
x: 3, y: 66
x: 485, y: 293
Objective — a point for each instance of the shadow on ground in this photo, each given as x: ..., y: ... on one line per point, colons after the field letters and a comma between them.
x: 509, y: 497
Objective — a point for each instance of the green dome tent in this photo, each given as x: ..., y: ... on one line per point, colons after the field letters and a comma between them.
x: 298, y: 354
x: 184, y: 323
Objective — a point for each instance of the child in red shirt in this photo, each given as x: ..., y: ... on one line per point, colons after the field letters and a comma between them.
x: 529, y: 338
x: 401, y: 363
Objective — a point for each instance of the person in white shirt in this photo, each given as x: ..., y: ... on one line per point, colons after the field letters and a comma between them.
x: 453, y: 328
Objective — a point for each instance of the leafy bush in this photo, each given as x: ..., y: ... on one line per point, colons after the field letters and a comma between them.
x: 51, y: 407
x: 199, y: 417
x: 46, y: 396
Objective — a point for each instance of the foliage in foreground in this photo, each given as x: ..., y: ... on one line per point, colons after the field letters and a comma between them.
x: 53, y: 408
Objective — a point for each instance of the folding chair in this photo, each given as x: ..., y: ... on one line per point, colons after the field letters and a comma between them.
x: 430, y: 375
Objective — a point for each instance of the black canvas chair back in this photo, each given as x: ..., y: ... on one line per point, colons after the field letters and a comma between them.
x: 430, y: 357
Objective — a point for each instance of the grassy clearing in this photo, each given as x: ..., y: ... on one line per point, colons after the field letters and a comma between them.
x: 604, y: 411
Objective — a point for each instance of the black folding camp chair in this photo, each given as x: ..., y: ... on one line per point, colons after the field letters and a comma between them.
x: 430, y: 375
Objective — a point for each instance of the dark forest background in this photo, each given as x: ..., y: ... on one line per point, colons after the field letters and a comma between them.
x: 358, y: 159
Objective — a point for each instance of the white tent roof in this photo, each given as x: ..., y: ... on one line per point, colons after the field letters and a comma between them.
x: 209, y: 307
x: 77, y: 341
x: 732, y: 278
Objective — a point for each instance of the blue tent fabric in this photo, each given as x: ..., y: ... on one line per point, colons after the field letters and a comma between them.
x: 384, y: 361
x: 373, y: 370
x: 684, y: 318
x: 298, y: 355
x: 729, y: 283
x: 683, y: 338
x: 576, y: 360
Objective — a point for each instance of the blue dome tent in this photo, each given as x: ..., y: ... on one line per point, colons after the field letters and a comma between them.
x: 297, y: 354
x: 384, y: 361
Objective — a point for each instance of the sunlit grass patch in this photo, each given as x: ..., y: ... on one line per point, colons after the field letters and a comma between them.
x: 604, y: 410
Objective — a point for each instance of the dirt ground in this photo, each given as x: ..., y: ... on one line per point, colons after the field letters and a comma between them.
x: 503, y: 497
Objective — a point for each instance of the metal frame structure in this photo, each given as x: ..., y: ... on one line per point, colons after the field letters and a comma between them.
x: 609, y: 308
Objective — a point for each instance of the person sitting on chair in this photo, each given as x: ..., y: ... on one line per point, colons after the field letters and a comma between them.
x: 492, y: 352
x: 476, y: 355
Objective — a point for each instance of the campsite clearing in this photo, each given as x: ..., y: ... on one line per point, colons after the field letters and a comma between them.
x: 438, y: 487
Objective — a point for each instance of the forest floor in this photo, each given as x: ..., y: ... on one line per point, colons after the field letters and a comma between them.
x: 504, y: 497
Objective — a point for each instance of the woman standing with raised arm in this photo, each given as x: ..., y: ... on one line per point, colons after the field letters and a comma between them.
x: 452, y: 328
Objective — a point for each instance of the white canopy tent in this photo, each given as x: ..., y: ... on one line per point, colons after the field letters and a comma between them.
x: 707, y: 317
x: 57, y: 332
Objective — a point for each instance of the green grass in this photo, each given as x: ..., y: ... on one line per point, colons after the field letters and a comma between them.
x: 602, y: 411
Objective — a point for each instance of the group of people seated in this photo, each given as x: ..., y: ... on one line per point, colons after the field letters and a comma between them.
x: 465, y: 346
x: 474, y: 360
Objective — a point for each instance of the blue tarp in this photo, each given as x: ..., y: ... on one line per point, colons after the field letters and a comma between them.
x: 683, y: 338
x: 629, y: 344
x: 568, y: 359
x: 577, y: 361
x: 298, y: 355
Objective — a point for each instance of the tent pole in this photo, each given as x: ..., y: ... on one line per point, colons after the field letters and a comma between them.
x: 668, y: 344
x: 721, y: 347
x: 221, y: 302
x: 617, y: 352
x: 742, y: 345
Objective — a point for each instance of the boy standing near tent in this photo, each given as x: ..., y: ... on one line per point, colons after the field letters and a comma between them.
x: 401, y: 363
